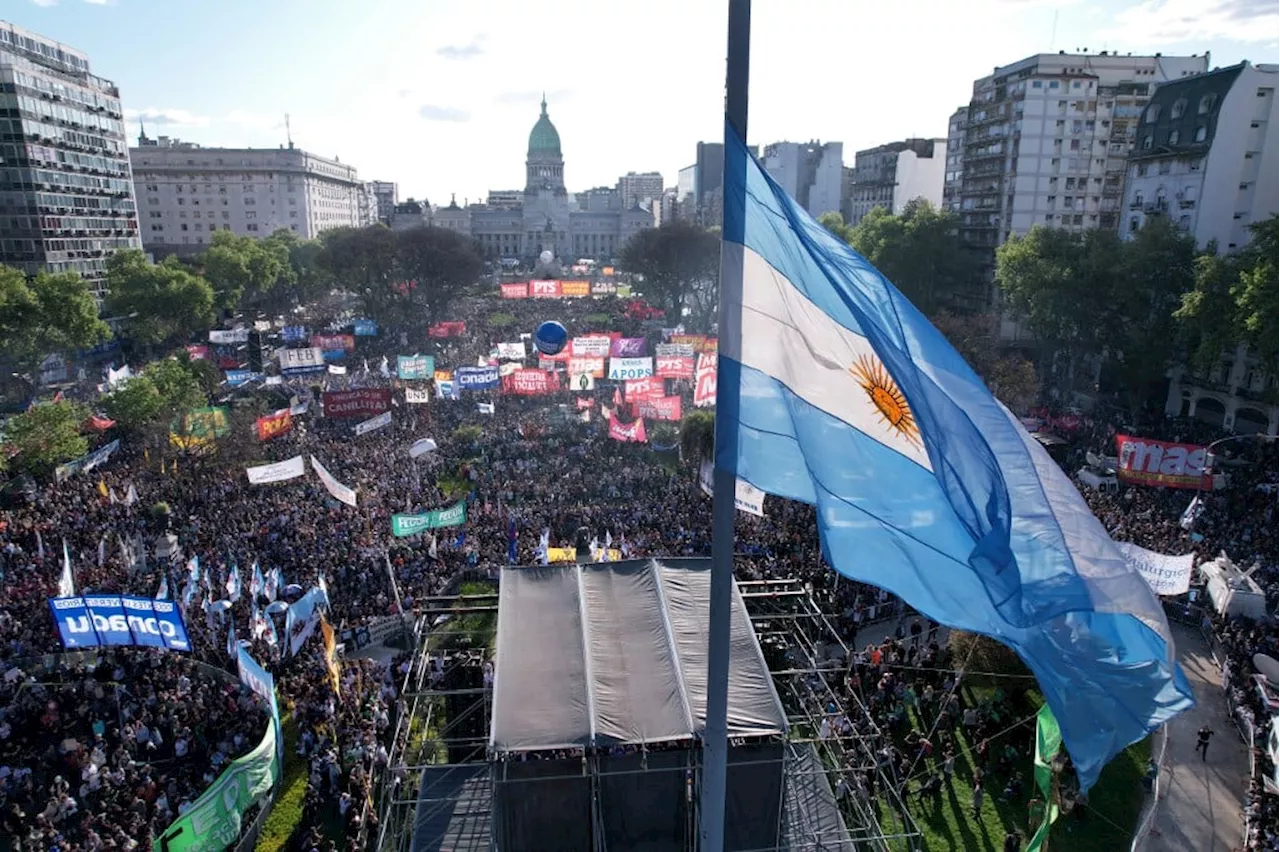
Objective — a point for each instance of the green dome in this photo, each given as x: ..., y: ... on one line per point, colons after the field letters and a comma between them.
x: 544, y: 139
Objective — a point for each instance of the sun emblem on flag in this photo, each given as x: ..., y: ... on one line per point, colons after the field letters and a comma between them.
x: 886, y: 396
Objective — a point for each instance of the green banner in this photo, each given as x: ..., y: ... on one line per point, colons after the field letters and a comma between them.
x: 454, y: 516
x: 1048, y: 741
x: 213, y: 822
x: 213, y: 422
x: 624, y: 290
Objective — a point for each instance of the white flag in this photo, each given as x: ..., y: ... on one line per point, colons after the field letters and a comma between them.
x: 163, y: 592
x: 131, y: 496
x: 66, y: 583
x: 39, y: 546
x: 432, y: 552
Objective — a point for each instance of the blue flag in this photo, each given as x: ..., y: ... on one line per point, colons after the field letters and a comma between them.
x: 846, y: 398
x: 511, y: 543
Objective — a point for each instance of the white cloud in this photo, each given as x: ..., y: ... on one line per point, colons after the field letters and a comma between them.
x: 100, y: 2
x: 431, y: 112
x: 45, y: 3
x: 1176, y: 21
x: 167, y: 117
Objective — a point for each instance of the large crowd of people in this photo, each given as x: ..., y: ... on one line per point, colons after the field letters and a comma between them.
x: 533, y: 464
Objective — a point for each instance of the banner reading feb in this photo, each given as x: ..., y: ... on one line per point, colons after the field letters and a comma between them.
x: 1150, y: 462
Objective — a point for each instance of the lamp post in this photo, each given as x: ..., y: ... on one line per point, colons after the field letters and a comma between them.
x: 1209, y: 456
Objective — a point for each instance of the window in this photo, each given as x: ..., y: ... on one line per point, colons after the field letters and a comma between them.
x: 226, y: 214
x: 251, y: 227
x: 1194, y: 165
x: 1048, y: 217
x: 1060, y: 123
x: 1173, y: 137
x: 1142, y: 169
x: 1153, y: 113
x: 1207, y: 102
x: 1053, y: 84
x: 184, y: 226
x: 1037, y: 84
x: 1178, y: 108
x: 1165, y: 166
x: 156, y: 214
x: 249, y: 202
x: 1201, y: 133
x: 1053, y: 199
x: 182, y: 201
x: 1075, y: 144
x: 250, y: 214
x: 1146, y: 142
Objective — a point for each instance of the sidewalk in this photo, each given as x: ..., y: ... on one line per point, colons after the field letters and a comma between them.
x: 1201, y: 805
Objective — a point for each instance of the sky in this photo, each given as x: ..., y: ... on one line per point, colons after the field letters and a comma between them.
x: 439, y: 95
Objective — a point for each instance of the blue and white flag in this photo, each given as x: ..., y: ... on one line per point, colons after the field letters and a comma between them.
x: 256, y: 582
x: 233, y: 647
x: 544, y: 546
x: 275, y: 582
x: 66, y: 583
x: 846, y: 398
x: 162, y: 593
x: 1192, y: 513
x: 233, y: 582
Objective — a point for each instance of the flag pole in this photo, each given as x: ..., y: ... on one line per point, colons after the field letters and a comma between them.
x: 716, y: 736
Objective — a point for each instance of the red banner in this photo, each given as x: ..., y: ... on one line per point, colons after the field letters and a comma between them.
x: 650, y: 387
x: 699, y: 342
x: 584, y: 403
x: 531, y: 382
x: 1147, y: 461
x: 197, y: 352
x: 365, y: 402
x: 544, y: 289
x: 673, y: 367
x: 333, y: 342
x: 453, y: 328
x: 271, y: 425
x: 518, y: 290
x: 704, y: 390
x: 627, y: 432
x: 660, y: 408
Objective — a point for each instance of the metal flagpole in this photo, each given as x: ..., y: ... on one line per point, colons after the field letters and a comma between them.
x: 716, y: 738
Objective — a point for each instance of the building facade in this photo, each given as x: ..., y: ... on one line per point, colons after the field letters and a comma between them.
x: 1234, y: 395
x: 1206, y: 156
x: 640, y: 189
x: 953, y: 177
x: 387, y: 196
x: 186, y: 193
x: 1047, y: 141
x: 811, y: 172
x: 890, y: 175
x: 546, y: 217
x: 66, y: 190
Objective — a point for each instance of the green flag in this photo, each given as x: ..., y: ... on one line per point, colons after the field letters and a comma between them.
x: 404, y: 525
x: 1048, y: 741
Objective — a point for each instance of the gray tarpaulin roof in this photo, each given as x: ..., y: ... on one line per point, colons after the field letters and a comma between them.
x: 616, y: 652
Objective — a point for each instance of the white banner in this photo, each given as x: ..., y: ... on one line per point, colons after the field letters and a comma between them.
x: 508, y: 368
x: 747, y: 498
x: 582, y: 382
x: 383, y: 419
x: 339, y: 491
x: 511, y: 351
x: 337, y: 371
x: 422, y: 446
x: 1167, y: 575
x: 593, y: 346
x: 309, y: 358
x: 235, y: 335
x: 278, y: 472
x: 630, y: 368
x: 674, y: 350
x: 115, y: 378
x: 484, y: 407
x: 416, y: 397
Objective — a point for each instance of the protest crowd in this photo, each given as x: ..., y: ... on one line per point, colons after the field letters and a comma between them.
x: 105, y: 754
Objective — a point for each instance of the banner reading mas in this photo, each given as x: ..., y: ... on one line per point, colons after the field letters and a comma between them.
x: 1150, y: 462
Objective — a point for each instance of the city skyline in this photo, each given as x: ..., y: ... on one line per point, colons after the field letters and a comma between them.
x: 381, y: 106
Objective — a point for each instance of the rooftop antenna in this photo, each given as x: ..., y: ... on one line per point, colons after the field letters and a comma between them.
x: 288, y: 134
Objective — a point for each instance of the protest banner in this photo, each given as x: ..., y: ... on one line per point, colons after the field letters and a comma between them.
x: 373, y: 424
x: 278, y: 472
x: 530, y: 382
x: 415, y: 366
x: 515, y: 290
x: 660, y: 408
x: 269, y: 426
x: 363, y: 402
x: 630, y: 368
x: 1146, y: 461
x: 1165, y: 574
x: 407, y: 525
x: 340, y: 492
x: 747, y: 498
x: 334, y: 342
x: 627, y: 432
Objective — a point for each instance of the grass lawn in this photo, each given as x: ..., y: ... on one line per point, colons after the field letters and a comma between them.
x: 949, y: 824
x: 286, y: 812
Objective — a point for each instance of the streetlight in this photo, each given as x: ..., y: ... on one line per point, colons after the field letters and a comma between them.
x: 1194, y: 508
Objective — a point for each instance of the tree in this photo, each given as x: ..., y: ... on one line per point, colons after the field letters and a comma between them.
x: 1206, y: 315
x: 46, y: 435
x: 698, y: 435
x: 437, y: 264
x: 1009, y: 376
x: 834, y: 222
x: 162, y: 304
x: 244, y: 271
x: 679, y: 263
x: 135, y: 405
x: 147, y: 404
x: 50, y: 313
x: 362, y: 260
x: 922, y: 253
x: 1256, y: 294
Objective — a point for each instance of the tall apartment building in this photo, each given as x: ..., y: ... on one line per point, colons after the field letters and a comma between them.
x: 890, y: 175
x: 1206, y: 156
x: 1048, y: 138
x: 186, y: 193
x: 639, y: 189
x: 387, y: 196
x: 953, y: 178
x: 810, y: 172
x: 66, y: 193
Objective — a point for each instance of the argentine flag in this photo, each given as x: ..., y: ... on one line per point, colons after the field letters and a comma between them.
x: 846, y: 398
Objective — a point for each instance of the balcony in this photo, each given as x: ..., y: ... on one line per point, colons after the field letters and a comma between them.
x: 1136, y: 204
x: 1186, y: 203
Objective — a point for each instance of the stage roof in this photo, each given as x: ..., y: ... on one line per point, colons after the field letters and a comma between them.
x: 616, y: 652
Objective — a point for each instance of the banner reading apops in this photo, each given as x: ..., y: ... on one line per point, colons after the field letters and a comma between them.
x: 1147, y: 461
x: 270, y: 425
x: 406, y: 525
x: 214, y: 820
x: 630, y: 368
x: 331, y: 342
x: 364, y: 402
x: 517, y: 290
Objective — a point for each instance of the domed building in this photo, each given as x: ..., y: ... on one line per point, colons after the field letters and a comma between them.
x: 545, y: 216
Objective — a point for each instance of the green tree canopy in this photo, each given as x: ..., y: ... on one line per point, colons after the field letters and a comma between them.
x: 921, y: 253
x: 161, y: 303
x: 698, y: 435
x: 680, y: 266
x: 46, y: 436
x: 245, y: 271
x: 440, y: 263
x: 135, y: 405
x: 363, y: 261
x: 834, y: 222
x: 50, y: 313
x: 166, y: 389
